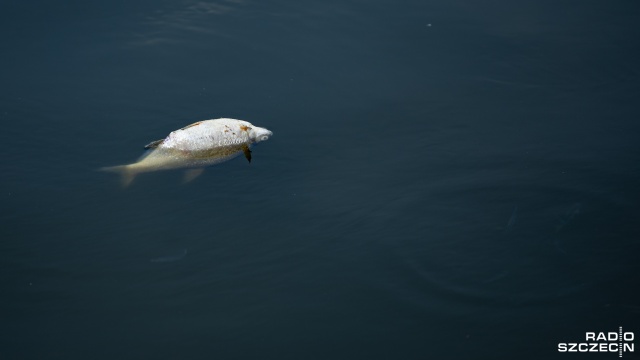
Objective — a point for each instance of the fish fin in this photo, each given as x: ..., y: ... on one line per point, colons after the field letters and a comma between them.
x: 192, y: 174
x: 154, y: 144
x: 190, y: 125
x: 126, y: 173
x: 247, y: 152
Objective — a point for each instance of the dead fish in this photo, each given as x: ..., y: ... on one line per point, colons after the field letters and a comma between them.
x: 195, y: 147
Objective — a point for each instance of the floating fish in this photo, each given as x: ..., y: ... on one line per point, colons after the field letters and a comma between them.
x: 195, y: 147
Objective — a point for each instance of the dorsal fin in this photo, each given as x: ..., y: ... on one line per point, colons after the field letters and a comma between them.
x: 190, y: 125
x: 153, y: 144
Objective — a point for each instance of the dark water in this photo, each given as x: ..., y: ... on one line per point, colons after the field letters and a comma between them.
x: 446, y: 180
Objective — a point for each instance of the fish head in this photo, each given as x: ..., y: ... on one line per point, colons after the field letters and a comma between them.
x: 258, y: 134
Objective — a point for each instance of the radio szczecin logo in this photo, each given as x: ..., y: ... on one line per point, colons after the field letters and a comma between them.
x: 614, y: 342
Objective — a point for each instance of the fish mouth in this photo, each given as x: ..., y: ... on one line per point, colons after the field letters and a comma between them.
x: 262, y: 134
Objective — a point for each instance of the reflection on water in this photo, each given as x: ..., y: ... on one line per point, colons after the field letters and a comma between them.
x: 465, y: 256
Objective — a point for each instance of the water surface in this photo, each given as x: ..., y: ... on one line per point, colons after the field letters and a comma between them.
x: 446, y: 179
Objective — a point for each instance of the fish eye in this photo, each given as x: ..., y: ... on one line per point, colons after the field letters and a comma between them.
x: 264, y: 137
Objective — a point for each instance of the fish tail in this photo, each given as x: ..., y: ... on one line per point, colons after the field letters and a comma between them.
x: 127, y: 173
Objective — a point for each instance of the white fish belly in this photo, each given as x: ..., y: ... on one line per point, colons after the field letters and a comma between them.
x: 167, y: 159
